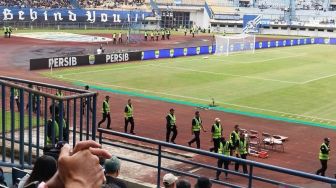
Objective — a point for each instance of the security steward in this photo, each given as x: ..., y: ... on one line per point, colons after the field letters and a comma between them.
x: 146, y: 35
x: 224, y: 149
x: 234, y: 139
x: 59, y: 93
x: 129, y: 116
x: 242, y: 151
x: 324, y: 157
x: 163, y: 34
x: 86, y: 102
x: 157, y: 34
x: 168, y: 34
x: 193, y: 32
x: 5, y: 31
x: 171, y: 126
x: 196, y: 129
x: 9, y: 31
x: 16, y: 98
x: 114, y: 36
x: 120, y: 38
x: 106, y: 113
x: 185, y: 31
x: 152, y: 35
x: 217, y: 132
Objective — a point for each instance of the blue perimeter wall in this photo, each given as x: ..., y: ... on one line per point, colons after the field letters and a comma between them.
x: 202, y: 50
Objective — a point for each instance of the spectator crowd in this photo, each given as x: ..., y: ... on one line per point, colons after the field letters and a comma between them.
x: 36, y: 3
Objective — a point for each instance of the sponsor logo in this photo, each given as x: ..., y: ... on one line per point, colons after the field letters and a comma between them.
x: 142, y: 55
x: 157, y: 54
x: 269, y: 44
x: 117, y: 57
x: 284, y: 43
x: 62, y: 62
x: 276, y: 43
x: 312, y: 40
x: 304, y: 41
x: 291, y: 42
x: 198, y: 50
x: 171, y: 52
x: 210, y: 49
x: 260, y: 44
x: 92, y: 59
x: 185, y: 51
x: 299, y: 41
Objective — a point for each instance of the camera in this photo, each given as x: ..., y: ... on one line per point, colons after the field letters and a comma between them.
x: 54, y: 150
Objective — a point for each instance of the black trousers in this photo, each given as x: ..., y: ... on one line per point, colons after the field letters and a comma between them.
x: 216, y: 142
x: 185, y: 33
x: 108, y: 117
x: 196, y: 139
x: 323, y: 169
x: 243, y: 156
x: 131, y: 121
x: 84, y: 107
x: 220, y: 163
x: 169, y: 130
x: 145, y: 38
x: 17, y: 103
x: 162, y: 37
x: 120, y: 40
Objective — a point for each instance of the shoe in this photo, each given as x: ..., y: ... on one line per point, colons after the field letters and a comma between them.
x: 133, y: 133
x: 173, y: 142
x: 217, y: 178
x: 189, y: 144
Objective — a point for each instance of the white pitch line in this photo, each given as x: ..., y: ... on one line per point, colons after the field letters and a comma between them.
x: 199, y: 99
x: 277, y: 58
x: 225, y: 74
x: 319, y: 78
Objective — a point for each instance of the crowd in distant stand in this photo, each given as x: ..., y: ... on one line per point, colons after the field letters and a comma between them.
x: 36, y: 3
x: 108, y: 4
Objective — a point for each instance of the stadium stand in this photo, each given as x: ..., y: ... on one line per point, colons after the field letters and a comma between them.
x: 36, y: 4
x: 113, y: 4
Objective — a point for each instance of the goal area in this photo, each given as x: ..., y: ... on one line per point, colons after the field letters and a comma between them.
x: 226, y: 45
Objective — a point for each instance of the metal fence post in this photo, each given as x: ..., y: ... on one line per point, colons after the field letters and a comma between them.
x: 3, y: 101
x: 45, y: 120
x: 12, y: 128
x: 74, y: 123
x: 87, y: 117
x: 81, y: 120
x: 30, y: 127
x: 159, y: 168
x: 38, y: 111
x: 250, y: 177
x: 94, y: 111
x: 21, y: 157
x: 60, y: 120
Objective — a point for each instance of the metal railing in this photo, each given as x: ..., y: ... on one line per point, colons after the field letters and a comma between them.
x: 29, y: 109
x: 251, y: 176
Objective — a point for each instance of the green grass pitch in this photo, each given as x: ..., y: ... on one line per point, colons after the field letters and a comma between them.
x: 293, y: 82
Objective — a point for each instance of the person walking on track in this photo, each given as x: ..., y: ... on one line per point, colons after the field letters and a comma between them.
x: 196, y: 129
x: 242, y: 151
x: 217, y: 133
x: 234, y: 139
x: 324, y: 156
x: 86, y: 102
x: 171, y: 126
x: 129, y: 116
x: 224, y: 149
x: 106, y: 113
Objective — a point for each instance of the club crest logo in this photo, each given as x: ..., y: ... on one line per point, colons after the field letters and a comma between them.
x: 312, y: 40
x: 291, y: 42
x: 304, y: 41
x: 92, y: 59
x: 299, y: 41
x: 198, y: 50
x: 260, y: 44
x: 157, y: 54
x: 269, y: 44
x: 185, y: 51
x: 284, y: 43
x: 210, y: 49
x: 171, y: 52
x: 142, y: 55
x: 276, y: 43
x: 326, y: 41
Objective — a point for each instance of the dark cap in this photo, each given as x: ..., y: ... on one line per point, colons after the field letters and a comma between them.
x: 203, y: 182
x: 327, y: 139
x: 172, y: 109
x: 107, y: 96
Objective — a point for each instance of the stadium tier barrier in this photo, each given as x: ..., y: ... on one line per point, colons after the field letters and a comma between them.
x: 72, y: 61
x: 24, y: 132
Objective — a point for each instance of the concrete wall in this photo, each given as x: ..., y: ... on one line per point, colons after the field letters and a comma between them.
x: 198, y: 17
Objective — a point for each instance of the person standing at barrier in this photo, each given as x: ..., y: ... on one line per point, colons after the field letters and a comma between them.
x: 163, y: 34
x: 185, y: 31
x: 16, y: 97
x: 9, y: 31
x: 168, y: 34
x: 224, y: 149
x: 106, y: 113
x: 324, y: 157
x: 242, y: 152
x: 129, y: 116
x: 196, y: 129
x: 146, y: 35
x: 171, y: 126
x: 59, y: 93
x: 217, y: 132
x: 5, y: 32
x: 86, y: 102
x: 152, y: 35
x: 234, y: 139
x: 193, y: 32
x: 157, y: 34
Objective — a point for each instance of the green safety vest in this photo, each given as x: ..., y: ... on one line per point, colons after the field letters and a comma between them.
x: 162, y: 33
x: 16, y: 93
x: 224, y: 149
x: 172, y: 120
x: 56, y: 131
x: 242, y: 147
x: 130, y: 111
x: 59, y: 94
x: 106, y: 107
x: 114, y: 35
x: 146, y: 34
x: 197, y: 126
x: 237, y: 138
x: 119, y: 35
x: 324, y: 156
x: 152, y: 34
x: 218, y: 131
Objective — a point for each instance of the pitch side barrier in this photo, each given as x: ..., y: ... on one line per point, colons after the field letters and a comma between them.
x: 158, y: 150
x: 74, y: 61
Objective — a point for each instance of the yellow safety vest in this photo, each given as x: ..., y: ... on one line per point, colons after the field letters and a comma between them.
x: 172, y: 120
x: 106, y: 107
x: 224, y: 149
x: 243, y: 147
x: 197, y: 126
x: 218, y: 131
x: 237, y: 138
x: 130, y: 111
x: 324, y: 156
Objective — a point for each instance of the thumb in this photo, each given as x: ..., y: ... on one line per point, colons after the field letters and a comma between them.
x: 65, y: 151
